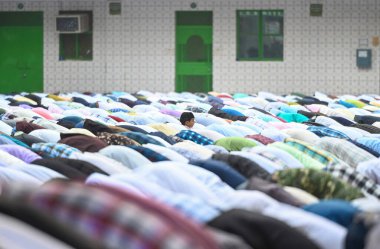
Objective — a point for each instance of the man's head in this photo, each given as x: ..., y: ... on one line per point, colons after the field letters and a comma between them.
x: 187, y: 119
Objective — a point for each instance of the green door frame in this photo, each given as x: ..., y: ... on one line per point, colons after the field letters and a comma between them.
x: 21, y: 51
x: 193, y: 51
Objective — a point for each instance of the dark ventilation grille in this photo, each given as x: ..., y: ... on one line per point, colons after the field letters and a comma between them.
x: 115, y: 9
x: 316, y: 9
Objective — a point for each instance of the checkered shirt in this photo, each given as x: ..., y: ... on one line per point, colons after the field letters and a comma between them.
x: 195, y: 137
x: 344, y: 150
x: 52, y: 150
x: 356, y: 179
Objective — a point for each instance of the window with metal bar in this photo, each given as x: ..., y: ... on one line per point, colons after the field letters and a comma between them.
x: 76, y: 46
x: 260, y: 35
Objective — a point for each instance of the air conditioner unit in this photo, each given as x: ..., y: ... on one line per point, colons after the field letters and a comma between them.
x: 71, y: 24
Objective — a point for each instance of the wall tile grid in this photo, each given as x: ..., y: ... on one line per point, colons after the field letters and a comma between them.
x: 137, y: 49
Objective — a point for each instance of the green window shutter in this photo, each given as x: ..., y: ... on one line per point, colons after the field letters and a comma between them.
x: 273, y: 35
x: 248, y: 35
x: 260, y: 35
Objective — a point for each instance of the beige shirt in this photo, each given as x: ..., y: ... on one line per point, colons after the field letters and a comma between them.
x: 303, y: 135
x: 165, y: 128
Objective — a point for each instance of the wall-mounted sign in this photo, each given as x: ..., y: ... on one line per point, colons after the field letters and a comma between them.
x: 316, y: 9
x: 375, y: 41
x: 115, y: 8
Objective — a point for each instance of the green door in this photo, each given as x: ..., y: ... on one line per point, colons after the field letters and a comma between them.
x: 21, y: 52
x: 193, y: 51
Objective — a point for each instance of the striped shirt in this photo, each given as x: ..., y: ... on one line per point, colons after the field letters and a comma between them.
x: 321, y: 156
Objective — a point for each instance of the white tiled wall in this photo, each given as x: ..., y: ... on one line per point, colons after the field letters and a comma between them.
x: 137, y: 49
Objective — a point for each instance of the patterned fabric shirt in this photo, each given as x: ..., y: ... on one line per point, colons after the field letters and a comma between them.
x: 107, y: 217
x: 118, y: 110
x: 116, y: 139
x: 306, y: 160
x: 355, y: 178
x: 195, y: 137
x: 318, y: 183
x: 196, y: 109
x: 327, y: 132
x: 52, y: 150
x: 320, y: 155
x: 344, y: 150
x: 193, y: 208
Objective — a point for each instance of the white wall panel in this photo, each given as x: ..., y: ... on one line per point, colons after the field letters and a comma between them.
x: 137, y: 49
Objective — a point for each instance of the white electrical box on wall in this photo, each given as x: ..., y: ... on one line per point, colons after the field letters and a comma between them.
x: 71, y: 24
